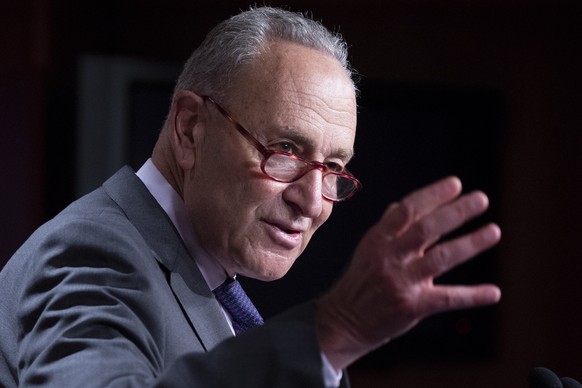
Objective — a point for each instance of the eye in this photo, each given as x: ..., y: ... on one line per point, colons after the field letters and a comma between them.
x: 335, y: 167
x: 285, y: 146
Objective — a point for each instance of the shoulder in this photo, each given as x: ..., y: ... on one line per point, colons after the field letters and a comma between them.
x: 91, y: 234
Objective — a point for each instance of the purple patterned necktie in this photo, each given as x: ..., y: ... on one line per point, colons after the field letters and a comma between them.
x: 234, y: 300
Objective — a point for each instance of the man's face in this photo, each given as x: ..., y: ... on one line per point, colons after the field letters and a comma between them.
x: 294, y: 99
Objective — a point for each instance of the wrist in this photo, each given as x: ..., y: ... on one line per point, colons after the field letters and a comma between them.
x: 338, y: 340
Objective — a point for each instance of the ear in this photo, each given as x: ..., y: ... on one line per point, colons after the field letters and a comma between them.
x: 188, y: 120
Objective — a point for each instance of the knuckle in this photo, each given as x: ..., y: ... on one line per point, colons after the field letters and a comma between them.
x: 460, y: 210
x: 454, y: 299
x: 439, y: 259
x: 409, y: 210
x: 397, y: 218
x: 423, y: 231
x: 448, y: 300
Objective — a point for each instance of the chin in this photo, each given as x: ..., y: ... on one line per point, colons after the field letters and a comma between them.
x: 278, y: 269
x: 267, y: 275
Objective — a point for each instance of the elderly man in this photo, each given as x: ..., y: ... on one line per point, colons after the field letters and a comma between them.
x: 117, y: 290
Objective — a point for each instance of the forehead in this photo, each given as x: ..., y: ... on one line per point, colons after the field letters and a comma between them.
x: 298, y: 91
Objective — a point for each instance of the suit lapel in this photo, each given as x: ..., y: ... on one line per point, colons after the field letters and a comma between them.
x: 204, y: 312
x: 188, y: 285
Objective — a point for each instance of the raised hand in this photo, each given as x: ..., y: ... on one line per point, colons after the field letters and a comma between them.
x: 388, y: 287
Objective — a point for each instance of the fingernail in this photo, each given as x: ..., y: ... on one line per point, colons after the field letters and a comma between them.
x: 492, y: 233
x: 495, y: 295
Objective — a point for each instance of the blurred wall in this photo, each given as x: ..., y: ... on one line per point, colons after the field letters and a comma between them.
x: 529, y: 52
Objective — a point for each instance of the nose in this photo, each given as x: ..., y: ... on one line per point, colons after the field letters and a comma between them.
x: 305, y: 194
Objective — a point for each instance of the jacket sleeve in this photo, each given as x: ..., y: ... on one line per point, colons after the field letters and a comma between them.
x: 282, y: 353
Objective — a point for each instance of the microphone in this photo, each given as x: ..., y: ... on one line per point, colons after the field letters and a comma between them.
x: 568, y: 382
x: 544, y: 378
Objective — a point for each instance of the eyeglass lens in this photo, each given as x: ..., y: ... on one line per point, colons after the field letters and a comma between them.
x: 288, y: 169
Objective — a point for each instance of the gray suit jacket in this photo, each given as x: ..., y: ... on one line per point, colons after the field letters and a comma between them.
x: 106, y: 294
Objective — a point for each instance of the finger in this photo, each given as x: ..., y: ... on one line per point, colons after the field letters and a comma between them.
x: 418, y: 204
x: 395, y: 220
x: 443, y: 257
x: 445, y: 298
x: 449, y: 217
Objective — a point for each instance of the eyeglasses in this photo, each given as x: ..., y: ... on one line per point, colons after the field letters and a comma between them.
x: 284, y: 167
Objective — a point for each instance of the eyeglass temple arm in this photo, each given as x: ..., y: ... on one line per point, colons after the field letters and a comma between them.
x: 242, y: 130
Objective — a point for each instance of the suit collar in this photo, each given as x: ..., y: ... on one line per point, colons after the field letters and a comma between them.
x: 174, y: 207
x: 186, y: 281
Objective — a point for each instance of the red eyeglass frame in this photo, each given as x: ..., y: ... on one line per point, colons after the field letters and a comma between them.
x: 325, y: 170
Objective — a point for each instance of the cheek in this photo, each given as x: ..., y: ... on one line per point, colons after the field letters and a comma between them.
x: 243, y: 204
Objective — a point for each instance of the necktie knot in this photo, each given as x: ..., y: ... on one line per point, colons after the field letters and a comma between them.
x: 236, y: 302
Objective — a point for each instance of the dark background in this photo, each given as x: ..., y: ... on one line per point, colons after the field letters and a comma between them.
x: 489, y: 91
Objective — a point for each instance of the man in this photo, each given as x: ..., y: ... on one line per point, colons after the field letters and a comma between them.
x: 117, y: 289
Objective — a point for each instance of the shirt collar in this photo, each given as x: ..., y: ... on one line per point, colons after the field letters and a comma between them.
x: 174, y: 206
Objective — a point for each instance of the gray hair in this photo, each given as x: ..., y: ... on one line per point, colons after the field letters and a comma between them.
x: 242, y: 38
